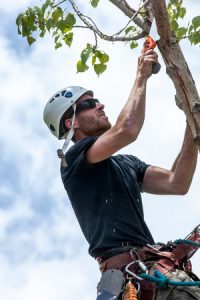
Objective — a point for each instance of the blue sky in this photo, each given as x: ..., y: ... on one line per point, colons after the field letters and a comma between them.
x: 43, y: 254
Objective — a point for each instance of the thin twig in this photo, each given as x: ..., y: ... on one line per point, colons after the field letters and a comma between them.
x: 132, y: 18
x: 95, y: 29
x: 58, y: 3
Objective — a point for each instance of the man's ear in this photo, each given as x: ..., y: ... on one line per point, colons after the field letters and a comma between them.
x: 68, y: 123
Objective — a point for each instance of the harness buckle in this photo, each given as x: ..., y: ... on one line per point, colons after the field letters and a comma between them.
x: 142, y: 267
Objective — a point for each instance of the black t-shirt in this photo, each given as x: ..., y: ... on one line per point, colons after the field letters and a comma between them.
x: 106, y: 198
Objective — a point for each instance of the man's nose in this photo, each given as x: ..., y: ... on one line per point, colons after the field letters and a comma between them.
x: 100, y: 106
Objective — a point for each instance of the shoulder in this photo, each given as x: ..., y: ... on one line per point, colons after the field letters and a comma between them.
x: 79, y: 147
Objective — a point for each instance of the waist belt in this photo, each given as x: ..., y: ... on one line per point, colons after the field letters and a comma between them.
x: 116, y: 262
x: 165, y: 261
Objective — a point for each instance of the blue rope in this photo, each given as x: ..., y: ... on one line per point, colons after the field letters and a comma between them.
x: 163, y: 282
x: 189, y: 242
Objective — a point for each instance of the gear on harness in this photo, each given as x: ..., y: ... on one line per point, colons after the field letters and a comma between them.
x: 130, y: 292
x: 178, y: 252
x: 147, y: 266
x: 110, y: 285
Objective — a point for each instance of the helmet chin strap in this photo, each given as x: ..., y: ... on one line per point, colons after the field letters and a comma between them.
x: 61, y: 152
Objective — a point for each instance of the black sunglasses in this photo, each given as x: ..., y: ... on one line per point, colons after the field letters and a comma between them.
x: 86, y: 104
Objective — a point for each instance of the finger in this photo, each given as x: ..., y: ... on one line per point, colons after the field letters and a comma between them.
x: 152, y: 56
x: 150, y: 51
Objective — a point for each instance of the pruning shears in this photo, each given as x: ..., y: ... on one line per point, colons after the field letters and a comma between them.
x: 150, y: 43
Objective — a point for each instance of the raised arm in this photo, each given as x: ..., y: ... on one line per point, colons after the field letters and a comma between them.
x: 131, y: 118
x: 177, y: 180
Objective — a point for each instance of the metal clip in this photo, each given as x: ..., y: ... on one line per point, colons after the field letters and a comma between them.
x: 62, y: 157
x: 132, y: 273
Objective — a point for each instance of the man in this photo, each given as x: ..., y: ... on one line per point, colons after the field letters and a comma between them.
x: 105, y: 189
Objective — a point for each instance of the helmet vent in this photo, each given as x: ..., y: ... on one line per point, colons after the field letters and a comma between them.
x: 52, y: 128
x: 68, y: 95
x: 63, y: 92
x: 51, y: 100
x: 57, y: 95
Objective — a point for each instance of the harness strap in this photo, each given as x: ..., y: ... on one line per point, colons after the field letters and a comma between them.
x: 116, y: 262
x: 186, y: 250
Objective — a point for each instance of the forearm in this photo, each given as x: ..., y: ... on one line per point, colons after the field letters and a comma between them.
x: 177, y: 180
x: 132, y: 116
x: 184, y: 166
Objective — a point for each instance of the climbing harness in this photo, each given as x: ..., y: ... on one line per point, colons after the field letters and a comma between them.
x: 181, y: 249
x: 144, y: 269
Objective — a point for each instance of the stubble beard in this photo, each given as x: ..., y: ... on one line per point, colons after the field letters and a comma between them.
x: 93, y: 127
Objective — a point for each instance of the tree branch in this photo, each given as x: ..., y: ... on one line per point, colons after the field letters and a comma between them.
x: 92, y: 26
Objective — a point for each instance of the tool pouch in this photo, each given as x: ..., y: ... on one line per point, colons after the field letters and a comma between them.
x: 110, y: 285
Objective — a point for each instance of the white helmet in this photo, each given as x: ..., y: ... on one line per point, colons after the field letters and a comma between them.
x: 55, y: 108
x: 58, y: 104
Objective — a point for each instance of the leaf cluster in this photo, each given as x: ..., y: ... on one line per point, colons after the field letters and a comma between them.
x: 49, y: 18
x: 99, y: 59
x: 59, y: 23
x: 176, y: 11
x: 52, y: 18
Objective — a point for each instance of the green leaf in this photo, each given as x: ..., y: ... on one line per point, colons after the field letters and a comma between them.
x: 130, y: 29
x: 46, y: 4
x: 81, y: 67
x: 70, y: 19
x: 42, y: 33
x: 191, y: 27
x: 19, y: 18
x: 68, y: 38
x: 56, y: 38
x: 86, y: 53
x: 99, y: 68
x: 58, y: 45
x: 50, y: 24
x: 194, y: 38
x: 30, y: 40
x: 94, y: 3
x: 93, y: 59
x: 133, y: 45
x: 25, y: 26
x: 18, y: 22
x: 57, y: 14
x: 181, y: 32
x: 196, y: 22
x: 182, y: 12
x: 41, y: 26
x: 173, y: 1
x: 64, y: 26
x: 103, y: 57
x: 174, y: 25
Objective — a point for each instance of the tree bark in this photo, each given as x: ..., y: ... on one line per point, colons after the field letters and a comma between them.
x: 187, y: 97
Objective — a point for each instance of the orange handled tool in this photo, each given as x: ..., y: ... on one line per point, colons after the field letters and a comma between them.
x: 151, y: 44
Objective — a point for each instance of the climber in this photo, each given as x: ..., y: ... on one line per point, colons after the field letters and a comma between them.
x: 105, y: 189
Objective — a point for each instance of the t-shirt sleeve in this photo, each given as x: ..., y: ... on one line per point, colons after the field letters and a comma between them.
x: 140, y: 168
